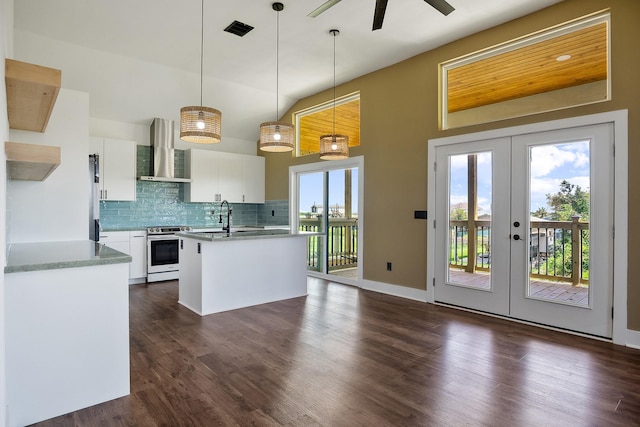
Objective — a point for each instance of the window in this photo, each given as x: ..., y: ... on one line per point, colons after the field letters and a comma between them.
x: 318, y: 120
x: 560, y: 67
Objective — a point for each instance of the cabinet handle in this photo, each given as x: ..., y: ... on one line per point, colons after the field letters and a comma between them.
x: 106, y: 195
x: 243, y: 197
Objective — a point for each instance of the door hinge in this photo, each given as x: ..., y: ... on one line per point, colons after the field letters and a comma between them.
x: 613, y: 231
x: 435, y: 166
x: 434, y: 223
x: 612, y: 312
x: 434, y: 282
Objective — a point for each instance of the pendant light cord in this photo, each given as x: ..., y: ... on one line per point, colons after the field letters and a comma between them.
x: 201, y: 47
x: 277, y: 63
x: 334, y: 83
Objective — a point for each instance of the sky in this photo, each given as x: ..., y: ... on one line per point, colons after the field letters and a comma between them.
x: 311, y: 189
x: 549, y: 165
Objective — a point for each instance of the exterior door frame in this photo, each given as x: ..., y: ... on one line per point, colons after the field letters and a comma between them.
x: 619, y: 119
x: 350, y: 163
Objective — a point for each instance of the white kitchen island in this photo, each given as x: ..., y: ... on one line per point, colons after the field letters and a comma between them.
x: 220, y: 272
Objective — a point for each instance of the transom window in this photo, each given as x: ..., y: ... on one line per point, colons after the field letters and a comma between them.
x: 319, y: 120
x: 560, y: 67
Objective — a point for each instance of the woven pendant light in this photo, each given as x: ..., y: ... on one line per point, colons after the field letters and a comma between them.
x: 334, y: 146
x: 278, y: 136
x: 198, y: 124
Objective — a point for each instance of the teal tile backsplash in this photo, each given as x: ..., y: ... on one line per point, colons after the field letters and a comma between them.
x: 161, y: 204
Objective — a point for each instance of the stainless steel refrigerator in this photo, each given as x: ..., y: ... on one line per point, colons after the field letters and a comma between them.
x: 94, y: 197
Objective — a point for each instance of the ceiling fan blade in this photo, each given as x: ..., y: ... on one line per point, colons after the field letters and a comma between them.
x: 378, y: 17
x: 323, y: 7
x: 442, y: 6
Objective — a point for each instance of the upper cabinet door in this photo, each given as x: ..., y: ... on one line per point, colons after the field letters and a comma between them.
x: 117, y: 167
x: 253, y: 179
x: 230, y: 177
x: 119, y: 172
x: 202, y: 167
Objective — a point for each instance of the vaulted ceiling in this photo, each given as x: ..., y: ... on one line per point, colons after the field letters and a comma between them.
x: 141, y: 59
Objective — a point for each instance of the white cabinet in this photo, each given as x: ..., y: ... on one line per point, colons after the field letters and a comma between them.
x: 118, y: 240
x: 132, y: 243
x: 252, y: 179
x: 230, y: 177
x: 217, y: 176
x: 117, y: 168
x: 202, y: 167
x: 138, y: 252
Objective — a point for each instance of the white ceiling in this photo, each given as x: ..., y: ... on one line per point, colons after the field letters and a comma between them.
x: 140, y: 59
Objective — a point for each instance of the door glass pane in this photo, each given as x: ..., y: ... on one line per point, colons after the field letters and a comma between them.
x: 310, y: 214
x: 470, y: 192
x: 342, y: 243
x: 559, y: 224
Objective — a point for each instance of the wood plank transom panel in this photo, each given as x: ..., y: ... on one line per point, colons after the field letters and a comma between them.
x: 312, y: 126
x: 530, y: 70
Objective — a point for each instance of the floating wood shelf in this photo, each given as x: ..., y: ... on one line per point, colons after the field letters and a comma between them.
x: 31, y: 94
x: 30, y: 161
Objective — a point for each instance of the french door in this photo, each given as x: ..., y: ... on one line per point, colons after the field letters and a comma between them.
x: 524, y: 227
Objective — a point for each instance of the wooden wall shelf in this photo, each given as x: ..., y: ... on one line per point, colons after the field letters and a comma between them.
x: 30, y: 161
x: 31, y: 94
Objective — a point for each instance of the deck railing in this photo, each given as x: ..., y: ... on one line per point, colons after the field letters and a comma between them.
x: 342, y: 244
x: 558, y: 250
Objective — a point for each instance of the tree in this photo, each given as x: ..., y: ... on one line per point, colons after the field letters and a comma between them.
x: 458, y: 214
x: 540, y: 213
x: 569, y: 201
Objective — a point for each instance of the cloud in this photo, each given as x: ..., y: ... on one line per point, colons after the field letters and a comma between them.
x: 546, y: 158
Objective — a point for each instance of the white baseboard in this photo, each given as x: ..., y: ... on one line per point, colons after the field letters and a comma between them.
x: 395, y: 290
x: 633, y: 339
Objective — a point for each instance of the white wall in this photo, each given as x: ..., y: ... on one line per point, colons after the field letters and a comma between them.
x: 6, y: 50
x: 55, y: 209
x: 108, y: 75
x: 141, y: 134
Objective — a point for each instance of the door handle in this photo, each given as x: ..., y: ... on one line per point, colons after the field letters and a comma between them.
x: 516, y: 237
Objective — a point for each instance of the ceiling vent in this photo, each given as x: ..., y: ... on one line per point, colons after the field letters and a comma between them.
x: 238, y: 28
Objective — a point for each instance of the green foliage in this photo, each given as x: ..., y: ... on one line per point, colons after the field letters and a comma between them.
x: 540, y: 213
x: 458, y: 214
x: 569, y: 201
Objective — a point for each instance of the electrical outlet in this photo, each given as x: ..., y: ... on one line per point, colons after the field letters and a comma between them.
x: 389, y: 266
x: 273, y: 213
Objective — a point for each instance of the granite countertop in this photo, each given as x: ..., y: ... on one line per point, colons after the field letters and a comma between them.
x: 56, y: 255
x: 244, y: 235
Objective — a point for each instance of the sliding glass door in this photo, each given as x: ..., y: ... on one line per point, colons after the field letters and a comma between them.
x: 327, y: 200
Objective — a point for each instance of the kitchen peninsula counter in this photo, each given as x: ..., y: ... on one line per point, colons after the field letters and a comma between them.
x: 23, y: 257
x: 221, y: 271
x: 67, y: 328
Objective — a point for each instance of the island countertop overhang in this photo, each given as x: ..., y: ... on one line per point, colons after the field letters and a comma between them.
x: 244, y: 235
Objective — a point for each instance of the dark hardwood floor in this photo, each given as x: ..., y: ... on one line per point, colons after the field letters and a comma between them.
x: 346, y: 357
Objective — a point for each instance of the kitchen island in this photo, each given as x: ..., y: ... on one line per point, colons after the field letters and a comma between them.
x: 67, y: 328
x: 225, y: 271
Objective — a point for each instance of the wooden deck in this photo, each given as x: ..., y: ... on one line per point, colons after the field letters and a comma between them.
x: 542, y: 289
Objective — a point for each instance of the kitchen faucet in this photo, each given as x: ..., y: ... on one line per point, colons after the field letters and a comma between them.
x: 228, y: 227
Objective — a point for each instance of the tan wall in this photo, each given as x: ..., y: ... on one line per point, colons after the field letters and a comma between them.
x: 399, y: 114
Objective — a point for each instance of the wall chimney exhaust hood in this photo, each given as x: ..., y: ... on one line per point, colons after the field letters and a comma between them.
x: 162, y: 152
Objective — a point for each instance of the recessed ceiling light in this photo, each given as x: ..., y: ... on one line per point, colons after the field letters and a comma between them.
x: 563, y: 58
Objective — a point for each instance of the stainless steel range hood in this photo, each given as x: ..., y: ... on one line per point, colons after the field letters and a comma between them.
x: 162, y: 152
